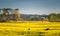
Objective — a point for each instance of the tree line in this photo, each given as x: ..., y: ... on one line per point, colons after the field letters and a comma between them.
x: 7, y: 14
x: 54, y: 17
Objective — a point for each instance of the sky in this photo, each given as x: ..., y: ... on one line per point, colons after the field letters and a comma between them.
x: 37, y: 7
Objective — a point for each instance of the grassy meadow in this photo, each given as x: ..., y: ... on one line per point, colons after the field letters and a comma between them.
x: 30, y: 29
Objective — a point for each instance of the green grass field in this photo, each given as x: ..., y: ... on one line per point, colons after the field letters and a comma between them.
x: 30, y: 29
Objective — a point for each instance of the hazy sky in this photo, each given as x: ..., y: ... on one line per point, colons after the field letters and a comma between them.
x: 33, y: 6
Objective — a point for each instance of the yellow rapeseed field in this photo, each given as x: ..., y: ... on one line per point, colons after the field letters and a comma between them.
x: 30, y: 28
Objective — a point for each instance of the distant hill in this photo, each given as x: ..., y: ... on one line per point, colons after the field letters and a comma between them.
x: 40, y: 17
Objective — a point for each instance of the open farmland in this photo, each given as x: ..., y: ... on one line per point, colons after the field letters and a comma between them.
x: 30, y: 29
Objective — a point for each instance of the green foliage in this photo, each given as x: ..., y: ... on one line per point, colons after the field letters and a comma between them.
x: 5, y: 15
x: 54, y: 17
